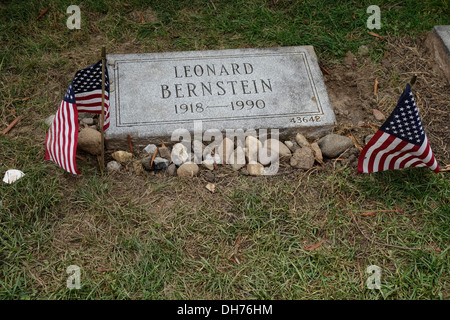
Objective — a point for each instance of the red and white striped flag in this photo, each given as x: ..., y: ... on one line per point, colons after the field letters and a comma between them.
x: 400, y: 142
x: 84, y: 95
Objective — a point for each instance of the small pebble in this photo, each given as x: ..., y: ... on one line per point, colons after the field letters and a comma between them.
x: 90, y: 140
x: 121, y: 156
x: 303, y: 158
x: 179, y: 154
x: 317, y: 152
x: 160, y: 163
x: 88, y: 121
x: 150, y: 149
x: 255, y: 169
x: 378, y: 115
x: 172, y: 170
x: 113, y: 166
x: 301, y: 140
x: 211, y: 187
x: 333, y: 145
x: 237, y: 159
x: 188, y: 169
x: 164, y: 152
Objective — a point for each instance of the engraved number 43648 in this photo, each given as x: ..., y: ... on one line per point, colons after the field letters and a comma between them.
x: 305, y: 119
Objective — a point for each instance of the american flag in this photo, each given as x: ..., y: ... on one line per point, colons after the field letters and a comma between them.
x: 400, y: 142
x: 83, y: 95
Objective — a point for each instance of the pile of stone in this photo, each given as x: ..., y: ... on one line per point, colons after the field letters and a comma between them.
x: 254, y: 157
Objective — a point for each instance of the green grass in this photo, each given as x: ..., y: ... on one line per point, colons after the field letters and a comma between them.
x: 160, y: 238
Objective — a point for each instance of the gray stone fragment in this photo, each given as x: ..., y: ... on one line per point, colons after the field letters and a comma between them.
x: 146, y: 163
x: 172, y: 170
x: 113, y: 166
x: 160, y: 163
x: 88, y: 121
x: 279, y: 146
x: 302, y: 158
x: 267, y: 156
x: 150, y: 148
x: 333, y: 145
x: 292, y: 145
x: 164, y: 152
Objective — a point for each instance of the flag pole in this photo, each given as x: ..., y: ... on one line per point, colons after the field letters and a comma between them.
x: 102, y: 115
x: 413, y: 80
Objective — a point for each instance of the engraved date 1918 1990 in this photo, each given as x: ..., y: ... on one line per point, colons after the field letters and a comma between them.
x: 192, y: 108
x: 235, y: 106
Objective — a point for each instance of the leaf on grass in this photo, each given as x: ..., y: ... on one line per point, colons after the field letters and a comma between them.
x: 21, y: 99
x: 54, y: 18
x: 369, y: 214
x: 238, y: 241
x: 235, y: 260
x: 12, y: 124
x: 375, y: 35
x: 373, y: 213
x: 314, y: 246
x: 42, y: 13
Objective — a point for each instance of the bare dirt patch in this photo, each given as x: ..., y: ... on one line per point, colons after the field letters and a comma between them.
x: 351, y: 89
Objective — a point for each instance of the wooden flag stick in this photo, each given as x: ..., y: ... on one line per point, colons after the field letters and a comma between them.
x: 12, y: 124
x: 102, y: 116
x: 413, y: 80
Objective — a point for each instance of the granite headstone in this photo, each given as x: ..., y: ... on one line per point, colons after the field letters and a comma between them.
x: 153, y: 94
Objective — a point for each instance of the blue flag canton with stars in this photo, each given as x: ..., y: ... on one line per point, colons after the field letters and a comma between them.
x: 70, y: 95
x: 404, y: 122
x: 86, y: 80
